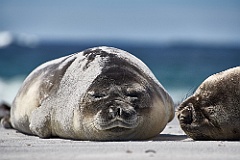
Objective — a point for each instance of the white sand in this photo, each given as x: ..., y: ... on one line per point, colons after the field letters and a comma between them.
x: 172, y: 143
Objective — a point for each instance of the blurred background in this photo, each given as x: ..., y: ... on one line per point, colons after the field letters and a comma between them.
x: 182, y: 42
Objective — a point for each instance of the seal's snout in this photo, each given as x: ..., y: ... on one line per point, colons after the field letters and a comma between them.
x: 116, y: 116
x: 186, y: 115
x: 121, y: 113
x: 115, y: 112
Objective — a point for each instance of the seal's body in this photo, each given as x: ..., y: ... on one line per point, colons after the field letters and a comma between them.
x: 101, y: 93
x: 213, y: 111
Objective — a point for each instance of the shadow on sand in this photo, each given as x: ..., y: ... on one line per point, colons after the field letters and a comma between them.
x: 170, y: 137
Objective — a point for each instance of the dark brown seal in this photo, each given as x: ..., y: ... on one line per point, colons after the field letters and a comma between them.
x: 5, y: 115
x: 213, y: 111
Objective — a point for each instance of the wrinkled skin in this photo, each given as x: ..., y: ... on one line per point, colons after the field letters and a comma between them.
x: 118, y: 106
x: 213, y: 111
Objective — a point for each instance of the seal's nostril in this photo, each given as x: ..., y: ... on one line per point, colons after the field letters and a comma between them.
x: 111, y: 114
x: 114, y: 112
x: 119, y: 111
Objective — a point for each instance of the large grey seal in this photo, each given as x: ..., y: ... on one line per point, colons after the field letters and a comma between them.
x: 102, y: 93
x: 213, y: 111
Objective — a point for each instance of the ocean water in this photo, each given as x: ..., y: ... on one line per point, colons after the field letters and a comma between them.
x: 180, y: 68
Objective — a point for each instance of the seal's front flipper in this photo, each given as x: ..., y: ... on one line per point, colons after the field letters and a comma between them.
x: 5, y: 115
x: 5, y: 122
x: 40, y: 123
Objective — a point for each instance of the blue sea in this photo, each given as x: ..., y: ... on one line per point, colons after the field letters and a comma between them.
x: 180, y: 67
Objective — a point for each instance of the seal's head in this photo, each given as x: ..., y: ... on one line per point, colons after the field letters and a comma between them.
x: 117, y: 102
x: 213, y: 111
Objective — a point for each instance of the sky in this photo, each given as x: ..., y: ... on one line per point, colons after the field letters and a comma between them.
x: 216, y: 21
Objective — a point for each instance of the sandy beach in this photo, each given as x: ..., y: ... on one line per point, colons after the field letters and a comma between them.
x: 181, y: 43
x: 172, y: 143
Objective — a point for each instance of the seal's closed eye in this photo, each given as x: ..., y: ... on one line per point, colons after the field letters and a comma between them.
x: 133, y: 94
x: 135, y: 91
x: 97, y: 95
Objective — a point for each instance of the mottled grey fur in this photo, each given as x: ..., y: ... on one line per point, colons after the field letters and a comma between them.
x: 102, y: 93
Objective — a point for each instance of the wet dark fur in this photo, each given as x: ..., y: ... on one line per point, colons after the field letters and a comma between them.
x: 213, y: 111
x: 5, y: 115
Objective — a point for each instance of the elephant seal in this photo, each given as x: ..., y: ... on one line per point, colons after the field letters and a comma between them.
x: 102, y: 93
x: 213, y: 111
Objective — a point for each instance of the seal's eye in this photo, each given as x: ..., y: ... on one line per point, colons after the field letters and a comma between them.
x: 97, y: 95
x: 133, y: 94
